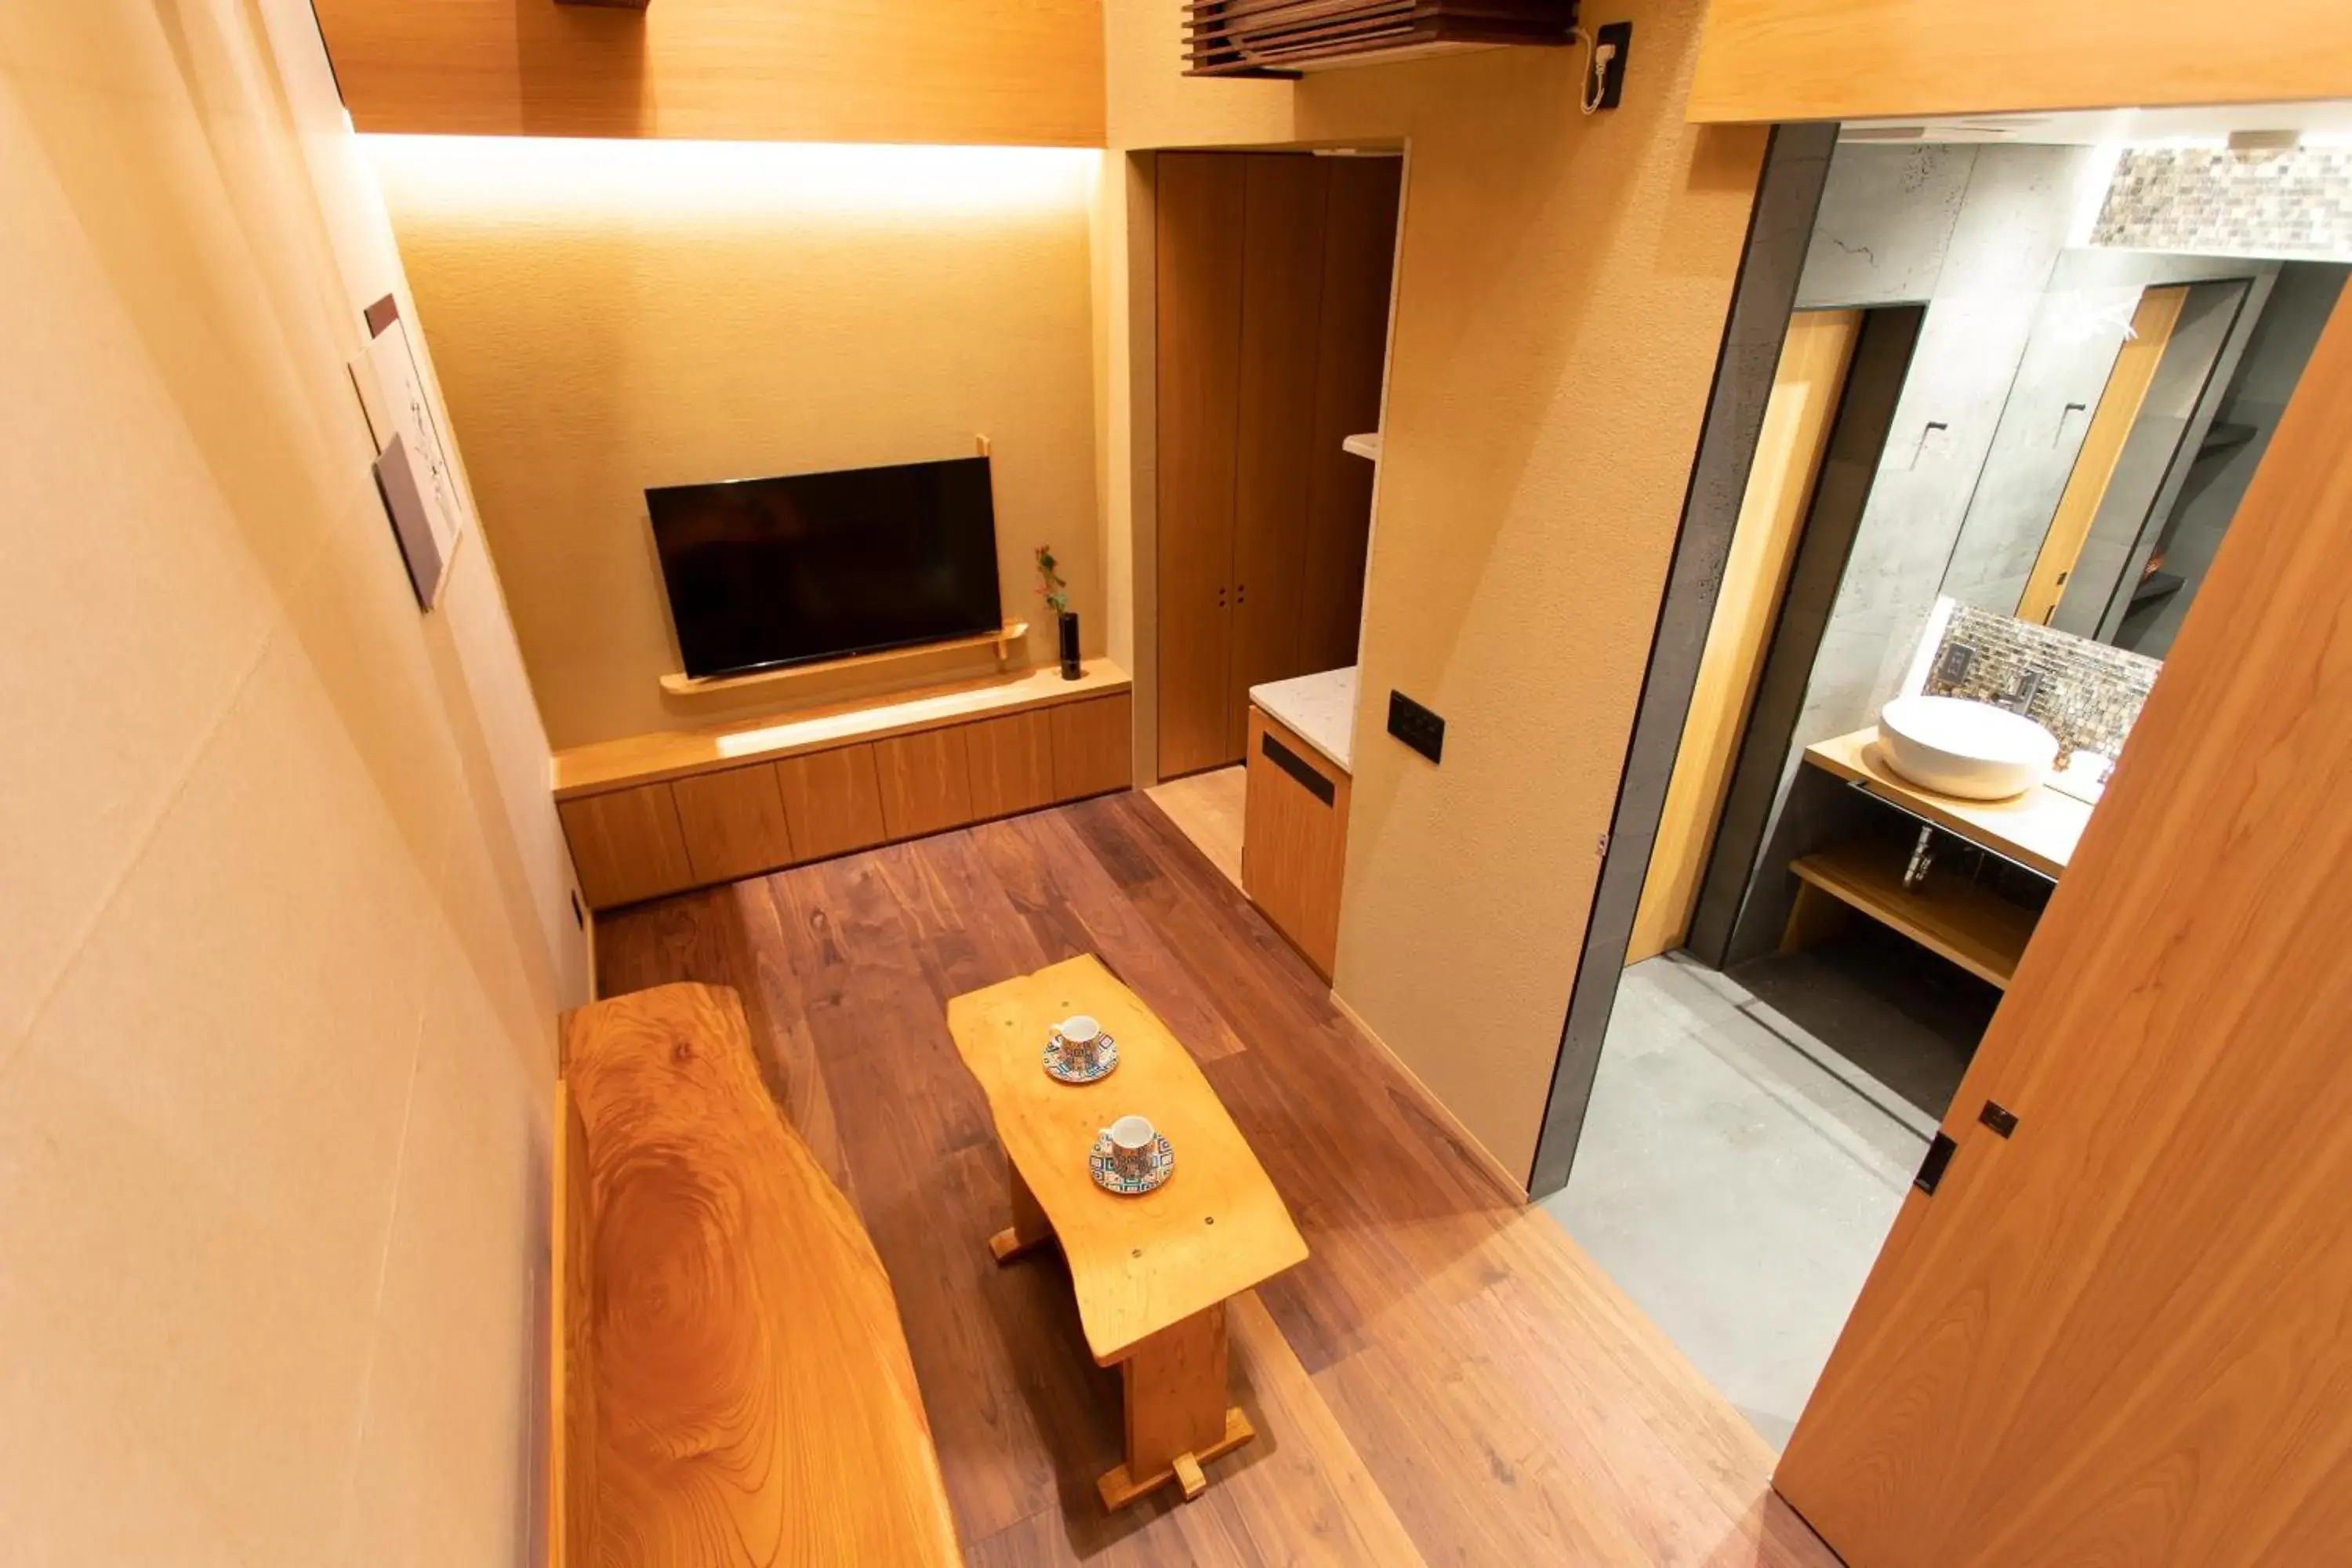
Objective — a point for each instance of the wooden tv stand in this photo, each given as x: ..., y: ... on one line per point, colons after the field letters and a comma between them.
x: 658, y: 814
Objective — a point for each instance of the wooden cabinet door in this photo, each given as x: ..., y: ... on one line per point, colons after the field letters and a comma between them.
x: 1295, y: 844
x: 832, y: 801
x: 734, y: 822
x: 626, y: 845
x: 1012, y: 763
x: 2117, y: 1332
x: 1093, y: 746
x: 1198, y: 272
x: 926, y: 782
x: 1350, y: 365
x: 1282, y: 291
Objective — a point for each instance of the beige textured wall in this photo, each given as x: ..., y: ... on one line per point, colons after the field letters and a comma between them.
x: 610, y: 316
x: 1561, y: 292
x: 279, y: 969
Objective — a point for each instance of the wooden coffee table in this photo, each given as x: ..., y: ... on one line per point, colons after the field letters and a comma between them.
x: 1151, y: 1273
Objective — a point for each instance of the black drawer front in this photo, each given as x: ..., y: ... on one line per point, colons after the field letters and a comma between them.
x: 1299, y: 768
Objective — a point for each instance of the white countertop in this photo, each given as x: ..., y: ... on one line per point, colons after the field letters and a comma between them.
x: 1320, y: 708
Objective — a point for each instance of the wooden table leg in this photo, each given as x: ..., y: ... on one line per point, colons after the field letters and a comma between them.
x: 1028, y: 1230
x: 1177, y: 1417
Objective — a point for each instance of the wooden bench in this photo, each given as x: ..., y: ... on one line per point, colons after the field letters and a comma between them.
x: 731, y: 1383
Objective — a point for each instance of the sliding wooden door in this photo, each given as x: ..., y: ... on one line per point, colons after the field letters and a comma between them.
x: 1198, y: 277
x: 1796, y: 433
x: 1272, y: 274
x: 2120, y: 1330
x: 1282, y: 298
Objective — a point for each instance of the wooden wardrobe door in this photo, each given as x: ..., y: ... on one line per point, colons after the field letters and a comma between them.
x: 1198, y: 262
x: 2115, y: 1332
x: 1282, y: 299
x: 1350, y: 362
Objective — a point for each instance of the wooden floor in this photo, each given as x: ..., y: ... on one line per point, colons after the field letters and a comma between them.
x: 1446, y: 1379
x: 1207, y: 808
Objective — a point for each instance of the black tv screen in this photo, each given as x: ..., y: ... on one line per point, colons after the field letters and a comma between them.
x: 764, y: 573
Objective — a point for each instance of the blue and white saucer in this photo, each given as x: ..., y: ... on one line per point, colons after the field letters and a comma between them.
x: 1110, y: 1179
x: 1106, y: 1058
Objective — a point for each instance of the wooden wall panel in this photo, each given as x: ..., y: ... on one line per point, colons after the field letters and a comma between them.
x: 2116, y: 1334
x: 1852, y: 59
x: 734, y: 822
x: 1093, y: 746
x: 992, y: 72
x: 1199, y: 207
x: 926, y: 782
x: 832, y: 801
x: 1284, y: 198
x: 573, y: 1537
x: 1011, y: 764
x: 1352, y: 362
x: 626, y: 845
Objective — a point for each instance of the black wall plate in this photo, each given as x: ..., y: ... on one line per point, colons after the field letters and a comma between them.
x: 1416, y: 726
x: 1612, y: 75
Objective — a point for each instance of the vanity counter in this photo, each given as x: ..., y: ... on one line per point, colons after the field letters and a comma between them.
x: 1320, y: 709
x: 2037, y: 829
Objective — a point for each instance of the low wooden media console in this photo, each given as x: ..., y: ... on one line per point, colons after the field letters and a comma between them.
x: 658, y: 814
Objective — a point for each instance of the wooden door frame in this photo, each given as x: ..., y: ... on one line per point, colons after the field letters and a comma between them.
x: 1808, y: 386
x: 1139, y: 171
x: 1780, y: 232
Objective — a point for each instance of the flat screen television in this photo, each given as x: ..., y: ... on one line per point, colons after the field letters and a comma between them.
x: 804, y: 567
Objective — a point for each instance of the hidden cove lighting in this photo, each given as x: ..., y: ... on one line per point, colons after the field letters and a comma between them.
x: 533, y: 176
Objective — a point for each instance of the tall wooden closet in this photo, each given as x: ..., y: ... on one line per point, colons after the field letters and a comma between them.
x: 1273, y: 273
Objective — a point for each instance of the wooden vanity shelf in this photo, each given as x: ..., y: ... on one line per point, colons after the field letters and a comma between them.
x: 1949, y: 914
x: 1002, y: 640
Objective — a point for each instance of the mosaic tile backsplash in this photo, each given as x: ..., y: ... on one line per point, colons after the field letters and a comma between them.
x: 2293, y: 202
x: 2088, y: 695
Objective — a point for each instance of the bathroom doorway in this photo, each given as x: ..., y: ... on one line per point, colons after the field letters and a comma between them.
x: 2009, y: 515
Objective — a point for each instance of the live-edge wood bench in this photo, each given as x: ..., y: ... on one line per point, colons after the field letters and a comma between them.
x: 731, y: 1383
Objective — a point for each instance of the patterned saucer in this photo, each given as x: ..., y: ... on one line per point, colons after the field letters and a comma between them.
x: 1106, y: 1058
x: 1109, y: 1178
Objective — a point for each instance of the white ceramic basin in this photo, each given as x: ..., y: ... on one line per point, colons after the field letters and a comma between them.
x: 1971, y: 750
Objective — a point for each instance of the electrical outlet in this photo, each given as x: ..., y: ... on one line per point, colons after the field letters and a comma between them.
x: 1416, y: 726
x: 1612, y: 76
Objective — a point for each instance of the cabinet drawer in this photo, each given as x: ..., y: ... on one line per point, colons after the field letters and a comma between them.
x: 626, y: 845
x: 832, y: 801
x: 926, y: 782
x: 1093, y: 746
x: 734, y: 822
x: 1011, y: 764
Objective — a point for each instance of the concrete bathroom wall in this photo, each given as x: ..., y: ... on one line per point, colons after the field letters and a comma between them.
x: 2019, y: 334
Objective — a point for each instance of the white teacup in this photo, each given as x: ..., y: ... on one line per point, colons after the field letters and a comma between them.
x: 1133, y: 1142
x: 1079, y: 1042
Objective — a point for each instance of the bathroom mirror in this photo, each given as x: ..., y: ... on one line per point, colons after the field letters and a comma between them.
x: 2147, y: 387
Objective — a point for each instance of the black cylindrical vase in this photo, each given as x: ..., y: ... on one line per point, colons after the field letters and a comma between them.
x: 1070, y: 670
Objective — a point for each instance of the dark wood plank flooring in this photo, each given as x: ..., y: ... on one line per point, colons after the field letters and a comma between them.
x: 1447, y: 1379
